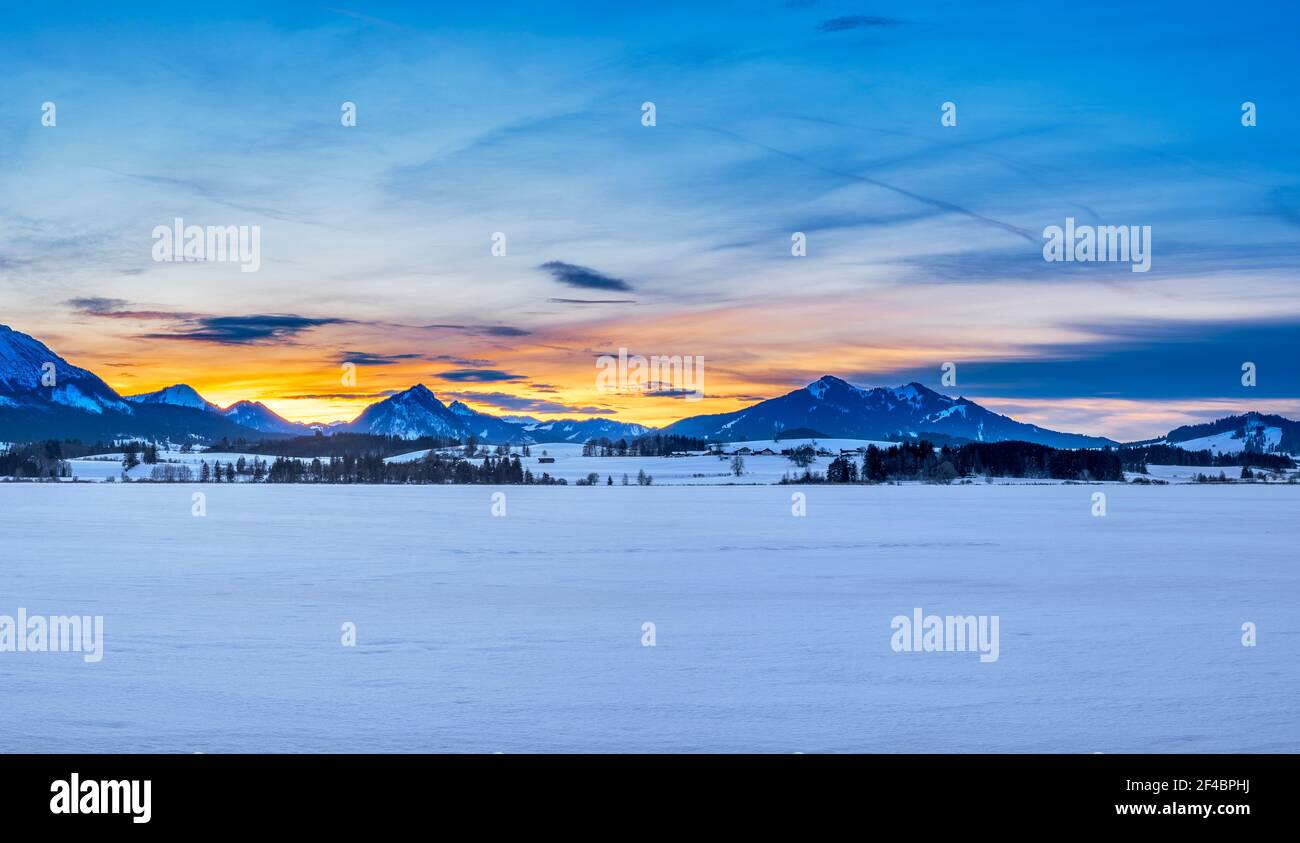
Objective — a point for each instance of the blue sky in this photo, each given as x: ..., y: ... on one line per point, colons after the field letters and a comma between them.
x: 924, y: 241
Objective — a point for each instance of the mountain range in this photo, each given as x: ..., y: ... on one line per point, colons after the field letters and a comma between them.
x: 253, y: 415
x: 44, y: 396
x: 837, y: 409
x: 80, y: 405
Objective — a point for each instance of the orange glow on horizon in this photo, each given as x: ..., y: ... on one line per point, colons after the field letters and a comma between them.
x: 866, y: 336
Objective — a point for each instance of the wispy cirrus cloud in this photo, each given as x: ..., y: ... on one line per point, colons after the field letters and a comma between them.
x: 368, y: 358
x: 214, y: 193
x: 592, y: 301
x: 942, y: 205
x: 847, y: 22
x: 482, y: 330
x: 520, y: 403
x: 110, y: 308
x: 471, y: 362
x: 336, y: 396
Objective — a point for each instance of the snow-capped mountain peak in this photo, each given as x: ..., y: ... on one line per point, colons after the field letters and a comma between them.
x: 178, y: 395
x: 912, y: 393
x: 840, y: 409
x: 30, y: 373
x: 258, y: 416
x: 418, y: 391
x: 822, y: 385
x: 410, y: 414
x: 583, y: 430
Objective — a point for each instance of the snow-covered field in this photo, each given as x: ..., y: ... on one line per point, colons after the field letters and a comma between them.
x: 571, y: 465
x: 102, y: 467
x: 524, y: 633
x: 697, y: 470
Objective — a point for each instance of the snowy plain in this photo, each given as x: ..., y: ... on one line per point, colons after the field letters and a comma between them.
x: 570, y: 465
x: 523, y: 633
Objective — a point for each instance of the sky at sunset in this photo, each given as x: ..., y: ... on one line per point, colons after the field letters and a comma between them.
x: 924, y: 242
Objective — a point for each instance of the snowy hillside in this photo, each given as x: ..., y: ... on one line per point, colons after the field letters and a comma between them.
x: 410, y: 414
x: 583, y: 430
x: 178, y: 395
x: 255, y: 415
x: 1257, y: 432
x: 1232, y: 442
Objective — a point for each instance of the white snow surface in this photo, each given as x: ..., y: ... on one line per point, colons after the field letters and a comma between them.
x: 523, y: 633
x: 100, y: 467
x: 1229, y: 443
x: 1187, y: 473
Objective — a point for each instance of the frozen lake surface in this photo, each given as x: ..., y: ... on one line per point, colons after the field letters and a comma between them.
x: 524, y: 633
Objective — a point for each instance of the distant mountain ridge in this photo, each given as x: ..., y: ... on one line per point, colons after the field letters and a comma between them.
x: 410, y: 414
x: 843, y: 411
x: 44, y: 396
x: 418, y: 412
x: 253, y: 415
x: 258, y: 416
x: 177, y: 395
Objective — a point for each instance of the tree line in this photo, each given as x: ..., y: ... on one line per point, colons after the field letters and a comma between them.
x: 921, y: 461
x: 433, y: 468
x: 1137, y: 457
x: 647, y: 445
x: 43, y: 460
x: 336, y: 445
